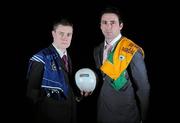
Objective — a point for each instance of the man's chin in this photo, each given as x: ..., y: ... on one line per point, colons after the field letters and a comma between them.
x: 109, y: 38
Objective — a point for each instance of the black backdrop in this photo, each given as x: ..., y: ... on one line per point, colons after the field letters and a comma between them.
x: 30, y: 30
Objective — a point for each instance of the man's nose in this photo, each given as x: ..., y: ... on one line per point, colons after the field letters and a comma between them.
x: 108, y: 26
x: 64, y: 37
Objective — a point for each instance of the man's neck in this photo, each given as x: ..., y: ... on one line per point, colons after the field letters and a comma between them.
x: 112, y: 41
x: 60, y: 51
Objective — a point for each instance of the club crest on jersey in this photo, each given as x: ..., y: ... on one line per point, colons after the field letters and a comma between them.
x: 121, y: 57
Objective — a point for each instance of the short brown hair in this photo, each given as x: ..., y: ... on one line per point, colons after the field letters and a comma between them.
x: 64, y: 22
x: 113, y: 10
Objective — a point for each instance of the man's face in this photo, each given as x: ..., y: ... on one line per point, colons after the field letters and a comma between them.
x: 62, y: 36
x: 110, y: 26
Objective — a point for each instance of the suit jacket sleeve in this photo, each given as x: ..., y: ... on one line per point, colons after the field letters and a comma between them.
x: 34, y: 81
x: 140, y: 82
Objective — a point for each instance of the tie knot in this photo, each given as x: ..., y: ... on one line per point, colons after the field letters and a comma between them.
x: 108, y: 47
x: 64, y: 58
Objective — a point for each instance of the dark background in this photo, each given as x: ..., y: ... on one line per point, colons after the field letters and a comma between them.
x: 28, y: 30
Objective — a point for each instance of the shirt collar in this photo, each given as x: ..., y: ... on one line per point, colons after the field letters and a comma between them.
x: 114, y: 41
x: 60, y: 52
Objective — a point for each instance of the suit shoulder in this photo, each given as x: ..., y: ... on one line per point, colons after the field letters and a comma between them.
x: 96, y: 48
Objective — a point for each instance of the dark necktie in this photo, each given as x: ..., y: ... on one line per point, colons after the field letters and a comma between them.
x: 65, y: 60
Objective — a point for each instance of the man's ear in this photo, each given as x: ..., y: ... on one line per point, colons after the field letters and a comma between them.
x: 121, y: 25
x: 53, y: 33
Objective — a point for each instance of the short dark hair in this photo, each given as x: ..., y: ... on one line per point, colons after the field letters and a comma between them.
x: 64, y: 22
x: 113, y: 10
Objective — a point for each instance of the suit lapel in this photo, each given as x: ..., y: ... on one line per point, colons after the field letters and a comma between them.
x: 99, y: 53
x: 69, y: 64
x: 58, y: 61
x: 62, y: 63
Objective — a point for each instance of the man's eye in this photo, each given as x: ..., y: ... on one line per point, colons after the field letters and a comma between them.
x: 112, y: 22
x: 61, y: 33
x: 69, y: 34
x: 104, y: 22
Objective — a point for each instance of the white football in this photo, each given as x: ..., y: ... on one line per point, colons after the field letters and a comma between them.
x: 85, y: 79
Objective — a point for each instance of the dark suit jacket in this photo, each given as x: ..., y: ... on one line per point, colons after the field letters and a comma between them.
x: 48, y: 109
x: 130, y: 103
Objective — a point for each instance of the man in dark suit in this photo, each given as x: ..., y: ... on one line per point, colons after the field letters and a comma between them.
x: 124, y: 90
x: 49, y: 83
